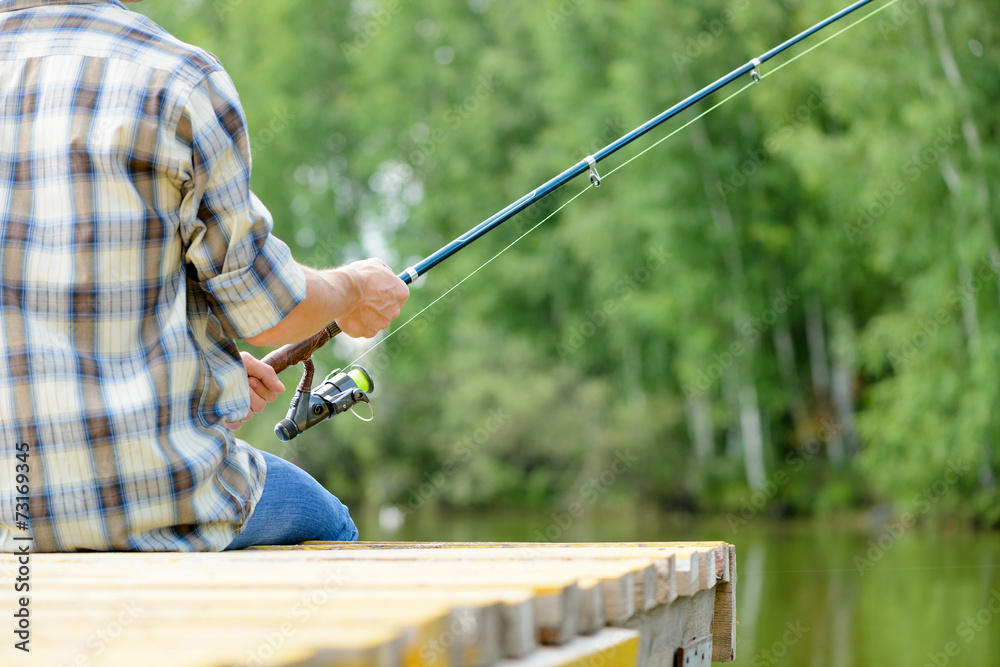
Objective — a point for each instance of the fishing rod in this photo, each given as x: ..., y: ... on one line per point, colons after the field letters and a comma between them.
x: 344, y: 389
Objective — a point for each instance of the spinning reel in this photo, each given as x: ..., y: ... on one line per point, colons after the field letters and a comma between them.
x: 340, y: 392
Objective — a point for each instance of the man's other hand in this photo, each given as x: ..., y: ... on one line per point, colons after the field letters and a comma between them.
x: 264, y: 387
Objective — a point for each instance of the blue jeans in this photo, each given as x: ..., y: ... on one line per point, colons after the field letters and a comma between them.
x: 294, y: 508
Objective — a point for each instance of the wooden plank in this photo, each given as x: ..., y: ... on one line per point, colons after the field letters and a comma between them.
x: 724, y: 621
x: 555, y: 613
x: 219, y: 645
x: 611, y: 647
x: 706, y: 569
x: 558, y: 619
x: 687, y: 573
x: 636, y: 549
x: 723, y: 557
x: 592, y: 616
x: 428, y: 637
x: 436, y: 634
x: 666, y: 628
x: 212, y: 656
x: 619, y: 598
x: 516, y: 630
x: 508, y: 614
x: 657, y: 586
x: 555, y: 606
x: 666, y: 579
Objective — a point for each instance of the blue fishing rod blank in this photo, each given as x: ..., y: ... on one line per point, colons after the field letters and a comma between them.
x: 589, y: 164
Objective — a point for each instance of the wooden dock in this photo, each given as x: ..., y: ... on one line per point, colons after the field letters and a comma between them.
x: 372, y: 604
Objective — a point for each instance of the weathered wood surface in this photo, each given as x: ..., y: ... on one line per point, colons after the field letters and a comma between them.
x: 383, y: 604
x: 724, y: 623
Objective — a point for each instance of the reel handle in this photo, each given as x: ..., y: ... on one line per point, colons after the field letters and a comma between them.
x: 289, y: 355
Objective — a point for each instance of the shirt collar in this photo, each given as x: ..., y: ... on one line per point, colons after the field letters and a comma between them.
x: 14, y: 5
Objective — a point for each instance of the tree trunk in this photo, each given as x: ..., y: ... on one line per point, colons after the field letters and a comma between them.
x: 785, y: 350
x: 753, y: 436
x: 820, y: 367
x: 749, y: 411
x: 699, y: 419
x: 842, y: 381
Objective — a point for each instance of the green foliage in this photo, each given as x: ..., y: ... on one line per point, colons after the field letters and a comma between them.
x: 819, y: 252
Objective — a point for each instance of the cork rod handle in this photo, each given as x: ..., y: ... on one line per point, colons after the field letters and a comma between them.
x: 289, y: 355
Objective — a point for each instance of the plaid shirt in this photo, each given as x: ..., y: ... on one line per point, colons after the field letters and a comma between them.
x: 132, y: 253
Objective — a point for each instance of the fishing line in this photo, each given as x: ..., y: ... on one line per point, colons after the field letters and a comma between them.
x: 620, y: 166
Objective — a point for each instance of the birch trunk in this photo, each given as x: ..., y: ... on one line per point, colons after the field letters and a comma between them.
x: 752, y: 436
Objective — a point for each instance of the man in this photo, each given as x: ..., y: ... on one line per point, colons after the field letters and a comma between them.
x: 132, y: 254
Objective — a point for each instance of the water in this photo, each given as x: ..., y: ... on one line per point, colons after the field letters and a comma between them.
x: 810, y: 594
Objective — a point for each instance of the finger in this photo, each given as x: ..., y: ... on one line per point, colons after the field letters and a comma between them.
x: 402, y: 292
x: 263, y: 372
x: 234, y: 426
x: 355, y: 329
x: 257, y: 404
x: 261, y: 390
